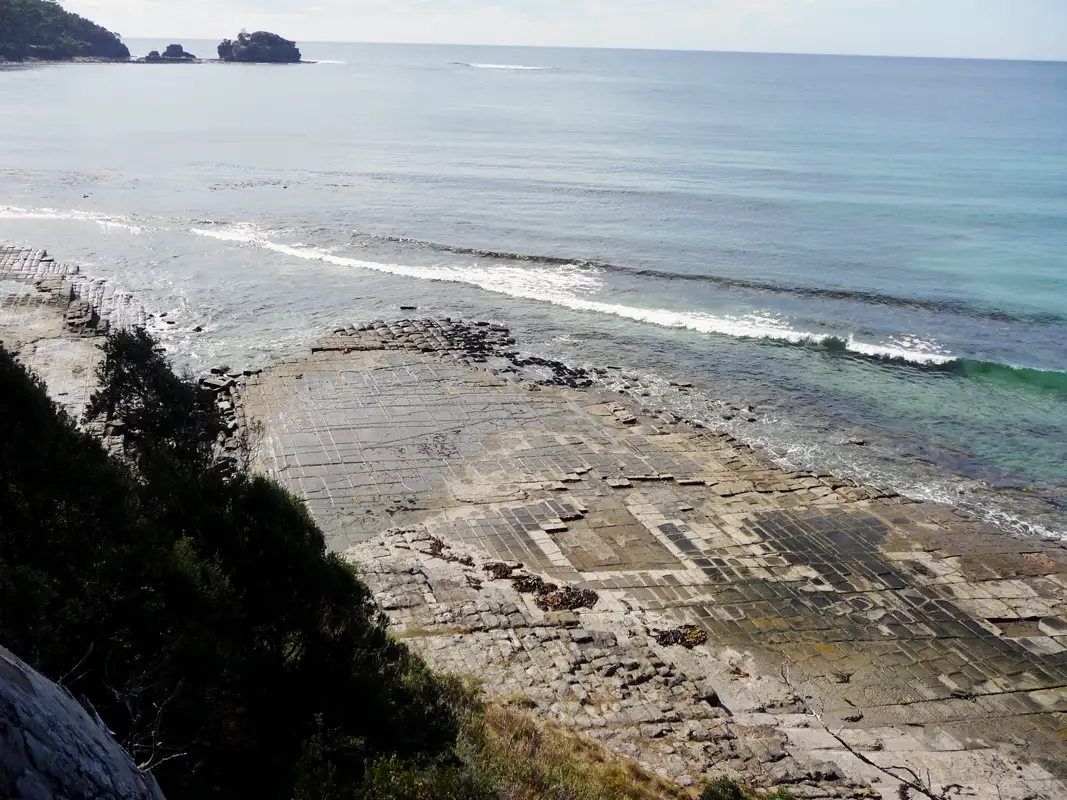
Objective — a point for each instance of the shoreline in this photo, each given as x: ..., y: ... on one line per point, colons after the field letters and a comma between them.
x: 29, y: 62
x: 962, y: 467
x: 837, y: 619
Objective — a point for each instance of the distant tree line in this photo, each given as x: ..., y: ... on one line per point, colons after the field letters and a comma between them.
x: 43, y: 29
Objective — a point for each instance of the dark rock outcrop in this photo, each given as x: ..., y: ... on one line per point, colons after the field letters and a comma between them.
x: 174, y: 54
x: 53, y: 749
x: 177, y: 52
x: 260, y: 47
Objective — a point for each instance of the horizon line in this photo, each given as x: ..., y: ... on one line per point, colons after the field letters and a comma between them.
x: 1018, y: 59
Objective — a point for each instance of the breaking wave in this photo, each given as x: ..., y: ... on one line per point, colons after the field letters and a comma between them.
x: 569, y: 284
x: 105, y: 220
x: 573, y: 284
x: 958, y: 307
x: 517, y: 67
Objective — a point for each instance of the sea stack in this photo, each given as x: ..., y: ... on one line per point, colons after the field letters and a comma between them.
x: 174, y: 54
x: 260, y: 47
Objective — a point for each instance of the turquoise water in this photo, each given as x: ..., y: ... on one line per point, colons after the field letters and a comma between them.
x: 854, y: 248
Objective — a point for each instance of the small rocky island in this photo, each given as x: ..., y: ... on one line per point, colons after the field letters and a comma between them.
x: 174, y: 54
x: 260, y: 47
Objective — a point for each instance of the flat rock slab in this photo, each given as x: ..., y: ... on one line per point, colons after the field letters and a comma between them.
x: 52, y: 316
x: 898, y: 623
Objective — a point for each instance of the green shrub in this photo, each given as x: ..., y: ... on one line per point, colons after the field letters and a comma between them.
x: 724, y: 788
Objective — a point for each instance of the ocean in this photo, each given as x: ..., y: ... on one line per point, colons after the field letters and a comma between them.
x: 859, y: 263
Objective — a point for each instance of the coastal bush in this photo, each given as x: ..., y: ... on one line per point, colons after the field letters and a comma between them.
x: 43, y: 29
x: 198, y: 613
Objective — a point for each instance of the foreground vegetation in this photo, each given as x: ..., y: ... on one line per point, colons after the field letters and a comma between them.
x: 200, y: 615
x: 42, y: 29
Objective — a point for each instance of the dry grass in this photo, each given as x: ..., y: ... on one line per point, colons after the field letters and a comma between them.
x: 535, y: 760
x: 505, y: 753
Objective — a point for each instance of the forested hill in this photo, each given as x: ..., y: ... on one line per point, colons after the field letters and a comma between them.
x: 43, y: 29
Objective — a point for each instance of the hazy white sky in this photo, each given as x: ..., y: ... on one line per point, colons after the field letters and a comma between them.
x: 963, y: 28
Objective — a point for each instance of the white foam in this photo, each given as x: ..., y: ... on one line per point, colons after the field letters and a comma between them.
x: 917, y: 352
x: 521, y: 67
x: 324, y: 61
x: 104, y: 220
x: 564, y: 285
x: 555, y: 284
x: 560, y: 286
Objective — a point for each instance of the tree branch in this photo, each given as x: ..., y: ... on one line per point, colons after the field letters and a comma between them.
x: 912, y: 783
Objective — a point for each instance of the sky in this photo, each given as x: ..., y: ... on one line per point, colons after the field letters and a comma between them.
x: 1023, y: 29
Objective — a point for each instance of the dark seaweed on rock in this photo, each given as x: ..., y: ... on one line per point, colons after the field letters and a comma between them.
x: 438, y: 549
x: 688, y: 636
x: 498, y: 570
x: 532, y: 584
x: 567, y: 599
x: 547, y: 596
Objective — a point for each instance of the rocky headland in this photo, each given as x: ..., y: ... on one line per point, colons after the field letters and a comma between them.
x: 659, y: 587
x: 41, y: 30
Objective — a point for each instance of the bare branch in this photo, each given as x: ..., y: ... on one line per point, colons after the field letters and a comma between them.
x: 163, y: 760
x: 911, y: 782
x: 62, y: 681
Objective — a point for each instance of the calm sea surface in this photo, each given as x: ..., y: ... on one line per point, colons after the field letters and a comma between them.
x: 856, y: 248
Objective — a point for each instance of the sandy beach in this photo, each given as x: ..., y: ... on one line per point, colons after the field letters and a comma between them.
x: 710, y: 612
